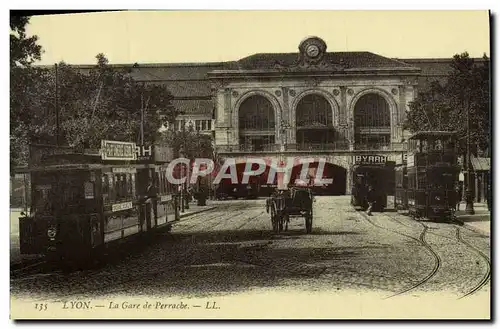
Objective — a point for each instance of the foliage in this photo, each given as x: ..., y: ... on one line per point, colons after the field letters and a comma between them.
x: 192, y: 143
x: 445, y: 107
x: 24, y: 50
x: 99, y: 103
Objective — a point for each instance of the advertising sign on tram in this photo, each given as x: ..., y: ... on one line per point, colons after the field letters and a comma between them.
x: 115, y: 150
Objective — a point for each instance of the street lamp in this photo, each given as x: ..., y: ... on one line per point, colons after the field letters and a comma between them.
x: 469, y: 203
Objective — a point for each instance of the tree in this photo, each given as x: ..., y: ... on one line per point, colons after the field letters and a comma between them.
x: 24, y: 51
x: 106, y: 103
x: 194, y: 144
x: 445, y: 107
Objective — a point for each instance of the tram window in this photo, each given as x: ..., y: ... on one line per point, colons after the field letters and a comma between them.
x: 105, y: 188
x: 124, y: 187
x: 132, y: 185
x: 157, y: 180
x: 129, y: 185
x: 120, y: 187
x: 118, y: 192
x: 164, y: 182
x: 111, y: 186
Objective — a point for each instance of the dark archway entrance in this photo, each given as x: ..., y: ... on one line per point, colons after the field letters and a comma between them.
x: 336, y: 173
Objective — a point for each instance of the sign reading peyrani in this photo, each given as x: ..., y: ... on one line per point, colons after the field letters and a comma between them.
x: 280, y: 170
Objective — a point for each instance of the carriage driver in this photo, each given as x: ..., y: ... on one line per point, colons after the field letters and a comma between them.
x: 370, y: 198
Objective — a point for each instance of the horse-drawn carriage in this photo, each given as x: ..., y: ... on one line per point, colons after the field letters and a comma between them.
x: 293, y: 203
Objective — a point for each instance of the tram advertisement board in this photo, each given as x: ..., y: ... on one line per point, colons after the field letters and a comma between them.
x: 369, y: 159
x: 115, y: 150
x: 156, y: 153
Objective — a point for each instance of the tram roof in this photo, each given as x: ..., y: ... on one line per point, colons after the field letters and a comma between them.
x: 427, y: 134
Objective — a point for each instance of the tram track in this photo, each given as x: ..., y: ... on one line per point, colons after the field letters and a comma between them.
x: 487, y: 275
x: 30, y: 269
x: 421, y: 240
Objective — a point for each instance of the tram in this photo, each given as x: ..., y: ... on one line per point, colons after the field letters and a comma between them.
x: 432, y: 174
x: 375, y: 171
x: 86, y: 200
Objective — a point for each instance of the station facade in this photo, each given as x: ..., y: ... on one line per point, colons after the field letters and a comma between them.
x: 332, y: 105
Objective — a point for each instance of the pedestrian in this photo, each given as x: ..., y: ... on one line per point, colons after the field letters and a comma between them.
x: 458, y: 190
x: 370, y: 198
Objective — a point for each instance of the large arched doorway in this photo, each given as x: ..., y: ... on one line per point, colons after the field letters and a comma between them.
x: 256, y: 124
x: 372, y: 122
x: 337, y: 174
x: 314, y: 122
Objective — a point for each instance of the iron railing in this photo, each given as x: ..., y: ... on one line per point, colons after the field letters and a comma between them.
x: 311, y: 147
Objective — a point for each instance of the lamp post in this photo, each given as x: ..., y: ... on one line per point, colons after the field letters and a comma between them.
x: 284, y: 126
x: 469, y: 203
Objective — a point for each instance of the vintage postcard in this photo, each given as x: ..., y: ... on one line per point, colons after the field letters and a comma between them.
x: 250, y: 165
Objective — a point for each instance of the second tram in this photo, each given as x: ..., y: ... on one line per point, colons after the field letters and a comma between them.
x: 432, y: 174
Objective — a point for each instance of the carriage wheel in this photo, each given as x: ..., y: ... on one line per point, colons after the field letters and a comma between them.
x: 274, y: 221
x: 281, y: 221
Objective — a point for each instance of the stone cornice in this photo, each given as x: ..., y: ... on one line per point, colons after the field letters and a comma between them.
x: 228, y: 74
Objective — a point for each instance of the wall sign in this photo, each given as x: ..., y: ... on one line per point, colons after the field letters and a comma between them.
x: 370, y: 159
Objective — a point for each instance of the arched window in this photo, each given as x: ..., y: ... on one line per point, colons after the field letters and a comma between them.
x: 372, y: 122
x: 256, y: 122
x: 314, y: 111
x: 314, y: 121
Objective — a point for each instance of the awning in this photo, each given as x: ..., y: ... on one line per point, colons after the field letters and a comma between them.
x: 480, y: 164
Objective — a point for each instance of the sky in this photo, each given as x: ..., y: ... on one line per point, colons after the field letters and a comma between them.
x: 212, y: 36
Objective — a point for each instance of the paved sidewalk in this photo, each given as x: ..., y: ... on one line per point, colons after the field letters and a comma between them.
x: 481, y: 219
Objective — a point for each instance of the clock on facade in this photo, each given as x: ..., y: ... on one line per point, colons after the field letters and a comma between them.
x: 312, y: 51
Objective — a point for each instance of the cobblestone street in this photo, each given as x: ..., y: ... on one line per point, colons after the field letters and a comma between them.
x: 232, y: 249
